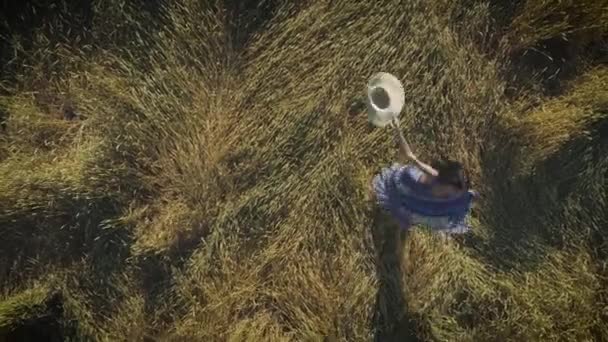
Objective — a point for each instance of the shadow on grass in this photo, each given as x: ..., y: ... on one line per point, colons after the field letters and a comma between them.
x: 510, y: 208
x: 59, y: 234
x: 43, y: 326
x: 525, y: 214
x: 391, y: 320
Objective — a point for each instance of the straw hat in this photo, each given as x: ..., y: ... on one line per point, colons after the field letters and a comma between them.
x: 385, y: 99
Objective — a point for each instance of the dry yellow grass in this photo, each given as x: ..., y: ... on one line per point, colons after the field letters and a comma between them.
x: 210, y: 193
x: 538, y: 21
x: 565, y: 118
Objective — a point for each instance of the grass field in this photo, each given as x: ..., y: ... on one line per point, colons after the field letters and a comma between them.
x: 185, y: 175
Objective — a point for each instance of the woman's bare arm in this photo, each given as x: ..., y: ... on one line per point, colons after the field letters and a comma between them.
x: 406, y: 152
x: 426, y: 168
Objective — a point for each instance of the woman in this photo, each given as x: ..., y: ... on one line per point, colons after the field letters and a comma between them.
x: 435, y: 195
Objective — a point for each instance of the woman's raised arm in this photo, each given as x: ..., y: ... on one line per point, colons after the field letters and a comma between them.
x: 407, y: 152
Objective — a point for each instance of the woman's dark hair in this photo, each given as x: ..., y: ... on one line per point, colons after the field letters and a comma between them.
x: 451, y: 172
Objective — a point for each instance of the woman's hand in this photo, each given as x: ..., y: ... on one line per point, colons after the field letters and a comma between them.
x: 395, y: 123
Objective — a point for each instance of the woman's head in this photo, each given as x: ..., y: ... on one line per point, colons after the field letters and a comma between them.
x: 450, y: 173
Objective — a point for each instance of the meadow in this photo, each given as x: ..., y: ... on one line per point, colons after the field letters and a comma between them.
x: 199, y: 171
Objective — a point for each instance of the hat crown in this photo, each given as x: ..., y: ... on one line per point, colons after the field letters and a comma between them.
x: 385, y: 98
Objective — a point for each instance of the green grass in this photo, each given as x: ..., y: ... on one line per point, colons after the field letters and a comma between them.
x: 216, y: 192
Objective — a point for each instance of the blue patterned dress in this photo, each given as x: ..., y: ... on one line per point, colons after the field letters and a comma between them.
x: 399, y: 191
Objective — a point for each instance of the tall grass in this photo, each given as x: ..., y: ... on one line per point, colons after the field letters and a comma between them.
x: 538, y: 21
x: 212, y: 191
